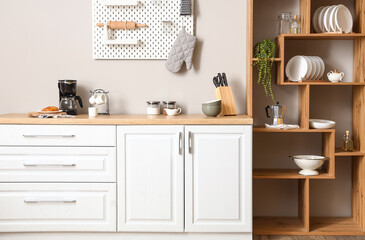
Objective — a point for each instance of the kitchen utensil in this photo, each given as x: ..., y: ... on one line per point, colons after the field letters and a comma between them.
x: 321, y: 123
x: 211, y: 111
x: 228, y: 104
x: 39, y: 113
x: 326, y: 18
x: 221, y: 81
x: 185, y: 8
x: 335, y: 76
x: 93, y: 111
x: 315, y: 20
x: 101, y: 101
x: 277, y: 113
x: 122, y: 25
x: 173, y: 112
x: 216, y: 82
x: 296, y: 69
x: 320, y: 19
x: 67, y: 96
x: 224, y: 77
x: 309, y: 163
x: 343, y: 19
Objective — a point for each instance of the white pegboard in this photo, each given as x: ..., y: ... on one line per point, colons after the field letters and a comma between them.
x: 155, y: 41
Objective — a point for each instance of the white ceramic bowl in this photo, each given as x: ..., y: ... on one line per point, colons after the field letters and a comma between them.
x: 321, y: 123
x: 309, y: 164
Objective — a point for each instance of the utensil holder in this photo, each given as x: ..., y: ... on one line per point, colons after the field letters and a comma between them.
x: 228, y: 104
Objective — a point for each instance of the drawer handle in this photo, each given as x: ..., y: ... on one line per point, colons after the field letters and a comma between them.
x: 49, y: 164
x: 34, y: 200
x: 50, y: 136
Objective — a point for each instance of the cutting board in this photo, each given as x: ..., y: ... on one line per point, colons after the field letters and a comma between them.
x: 37, y: 114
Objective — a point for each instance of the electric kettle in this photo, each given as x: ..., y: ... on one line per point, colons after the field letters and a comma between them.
x: 277, y: 113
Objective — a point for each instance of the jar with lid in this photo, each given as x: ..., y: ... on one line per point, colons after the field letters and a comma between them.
x: 285, y: 19
x: 168, y: 105
x: 153, y: 108
x: 295, y: 27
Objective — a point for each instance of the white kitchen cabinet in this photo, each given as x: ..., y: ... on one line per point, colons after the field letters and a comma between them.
x: 50, y: 207
x: 57, y: 164
x: 218, y: 178
x: 150, y: 178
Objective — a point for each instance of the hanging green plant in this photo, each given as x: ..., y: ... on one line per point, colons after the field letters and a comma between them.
x: 264, y: 51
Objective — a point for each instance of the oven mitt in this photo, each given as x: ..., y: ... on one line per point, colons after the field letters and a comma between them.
x: 182, y: 51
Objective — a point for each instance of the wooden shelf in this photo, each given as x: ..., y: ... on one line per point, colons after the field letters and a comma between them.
x: 275, y: 59
x: 286, y: 174
x: 298, y: 130
x: 278, y: 226
x: 334, y: 226
x: 340, y: 153
x: 318, y: 83
x: 322, y: 36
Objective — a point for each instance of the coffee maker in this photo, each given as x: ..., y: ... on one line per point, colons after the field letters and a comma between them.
x: 277, y: 113
x: 68, y: 98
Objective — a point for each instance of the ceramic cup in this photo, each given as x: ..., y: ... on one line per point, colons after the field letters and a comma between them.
x: 92, y: 100
x: 93, y: 111
x: 100, y: 99
x: 173, y: 112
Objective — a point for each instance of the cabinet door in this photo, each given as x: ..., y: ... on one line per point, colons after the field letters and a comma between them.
x: 150, y: 178
x: 218, y: 177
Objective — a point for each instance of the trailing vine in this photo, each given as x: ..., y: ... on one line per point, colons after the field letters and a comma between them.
x: 264, y: 51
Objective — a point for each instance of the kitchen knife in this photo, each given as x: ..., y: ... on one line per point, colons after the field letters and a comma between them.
x: 225, y: 79
x: 216, y: 82
x: 221, y: 82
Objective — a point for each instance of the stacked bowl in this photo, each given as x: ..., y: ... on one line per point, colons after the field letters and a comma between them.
x: 212, y: 108
x: 335, y: 18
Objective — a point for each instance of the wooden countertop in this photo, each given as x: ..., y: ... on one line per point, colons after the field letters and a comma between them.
x: 128, y: 119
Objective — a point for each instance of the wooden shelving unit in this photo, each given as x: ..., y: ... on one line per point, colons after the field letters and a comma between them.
x: 305, y: 224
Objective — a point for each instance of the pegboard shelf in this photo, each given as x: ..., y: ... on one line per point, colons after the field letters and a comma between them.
x: 154, y: 41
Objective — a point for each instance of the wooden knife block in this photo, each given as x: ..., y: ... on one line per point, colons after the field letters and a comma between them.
x: 228, y: 104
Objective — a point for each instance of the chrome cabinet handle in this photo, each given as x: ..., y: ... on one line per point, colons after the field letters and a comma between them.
x: 34, y: 200
x: 49, y: 164
x: 190, y: 142
x: 50, y: 136
x: 180, y: 142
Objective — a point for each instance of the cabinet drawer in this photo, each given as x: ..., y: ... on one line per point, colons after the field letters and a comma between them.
x: 59, y: 135
x: 57, y: 164
x: 57, y: 207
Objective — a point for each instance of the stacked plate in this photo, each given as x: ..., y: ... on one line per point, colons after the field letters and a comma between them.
x: 305, y: 68
x: 335, y: 18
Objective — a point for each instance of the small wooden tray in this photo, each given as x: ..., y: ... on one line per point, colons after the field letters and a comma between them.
x: 37, y: 114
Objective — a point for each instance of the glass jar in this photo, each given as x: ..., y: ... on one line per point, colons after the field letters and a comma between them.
x: 295, y: 27
x: 285, y: 19
x: 168, y: 105
x: 153, y: 108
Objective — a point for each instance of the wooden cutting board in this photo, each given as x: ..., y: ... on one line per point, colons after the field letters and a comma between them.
x: 37, y: 114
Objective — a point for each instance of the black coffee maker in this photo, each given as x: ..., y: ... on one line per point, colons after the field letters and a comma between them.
x: 68, y: 98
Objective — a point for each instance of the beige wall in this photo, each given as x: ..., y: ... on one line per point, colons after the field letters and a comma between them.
x: 46, y: 40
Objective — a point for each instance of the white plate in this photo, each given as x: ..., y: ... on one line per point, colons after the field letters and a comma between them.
x: 326, y: 18
x: 320, y: 18
x: 332, y: 19
x: 49, y: 112
x: 314, y: 68
x: 322, y: 67
x: 315, y: 20
x: 296, y: 69
x: 343, y: 19
x: 321, y: 123
x: 309, y: 69
x: 318, y: 68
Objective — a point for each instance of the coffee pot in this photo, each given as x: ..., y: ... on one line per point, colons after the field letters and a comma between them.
x: 277, y: 113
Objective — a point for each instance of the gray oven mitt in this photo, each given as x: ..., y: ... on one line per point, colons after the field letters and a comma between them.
x: 182, y: 51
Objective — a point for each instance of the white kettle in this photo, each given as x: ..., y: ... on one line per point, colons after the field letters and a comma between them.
x: 335, y: 76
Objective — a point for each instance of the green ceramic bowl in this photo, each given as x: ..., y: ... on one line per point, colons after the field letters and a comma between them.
x: 211, y: 111
x: 213, y: 103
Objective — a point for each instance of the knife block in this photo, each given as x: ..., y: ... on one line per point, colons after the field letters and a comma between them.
x: 228, y: 105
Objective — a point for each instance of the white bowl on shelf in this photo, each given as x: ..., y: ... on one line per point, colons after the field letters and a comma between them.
x: 321, y: 123
x: 309, y: 164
